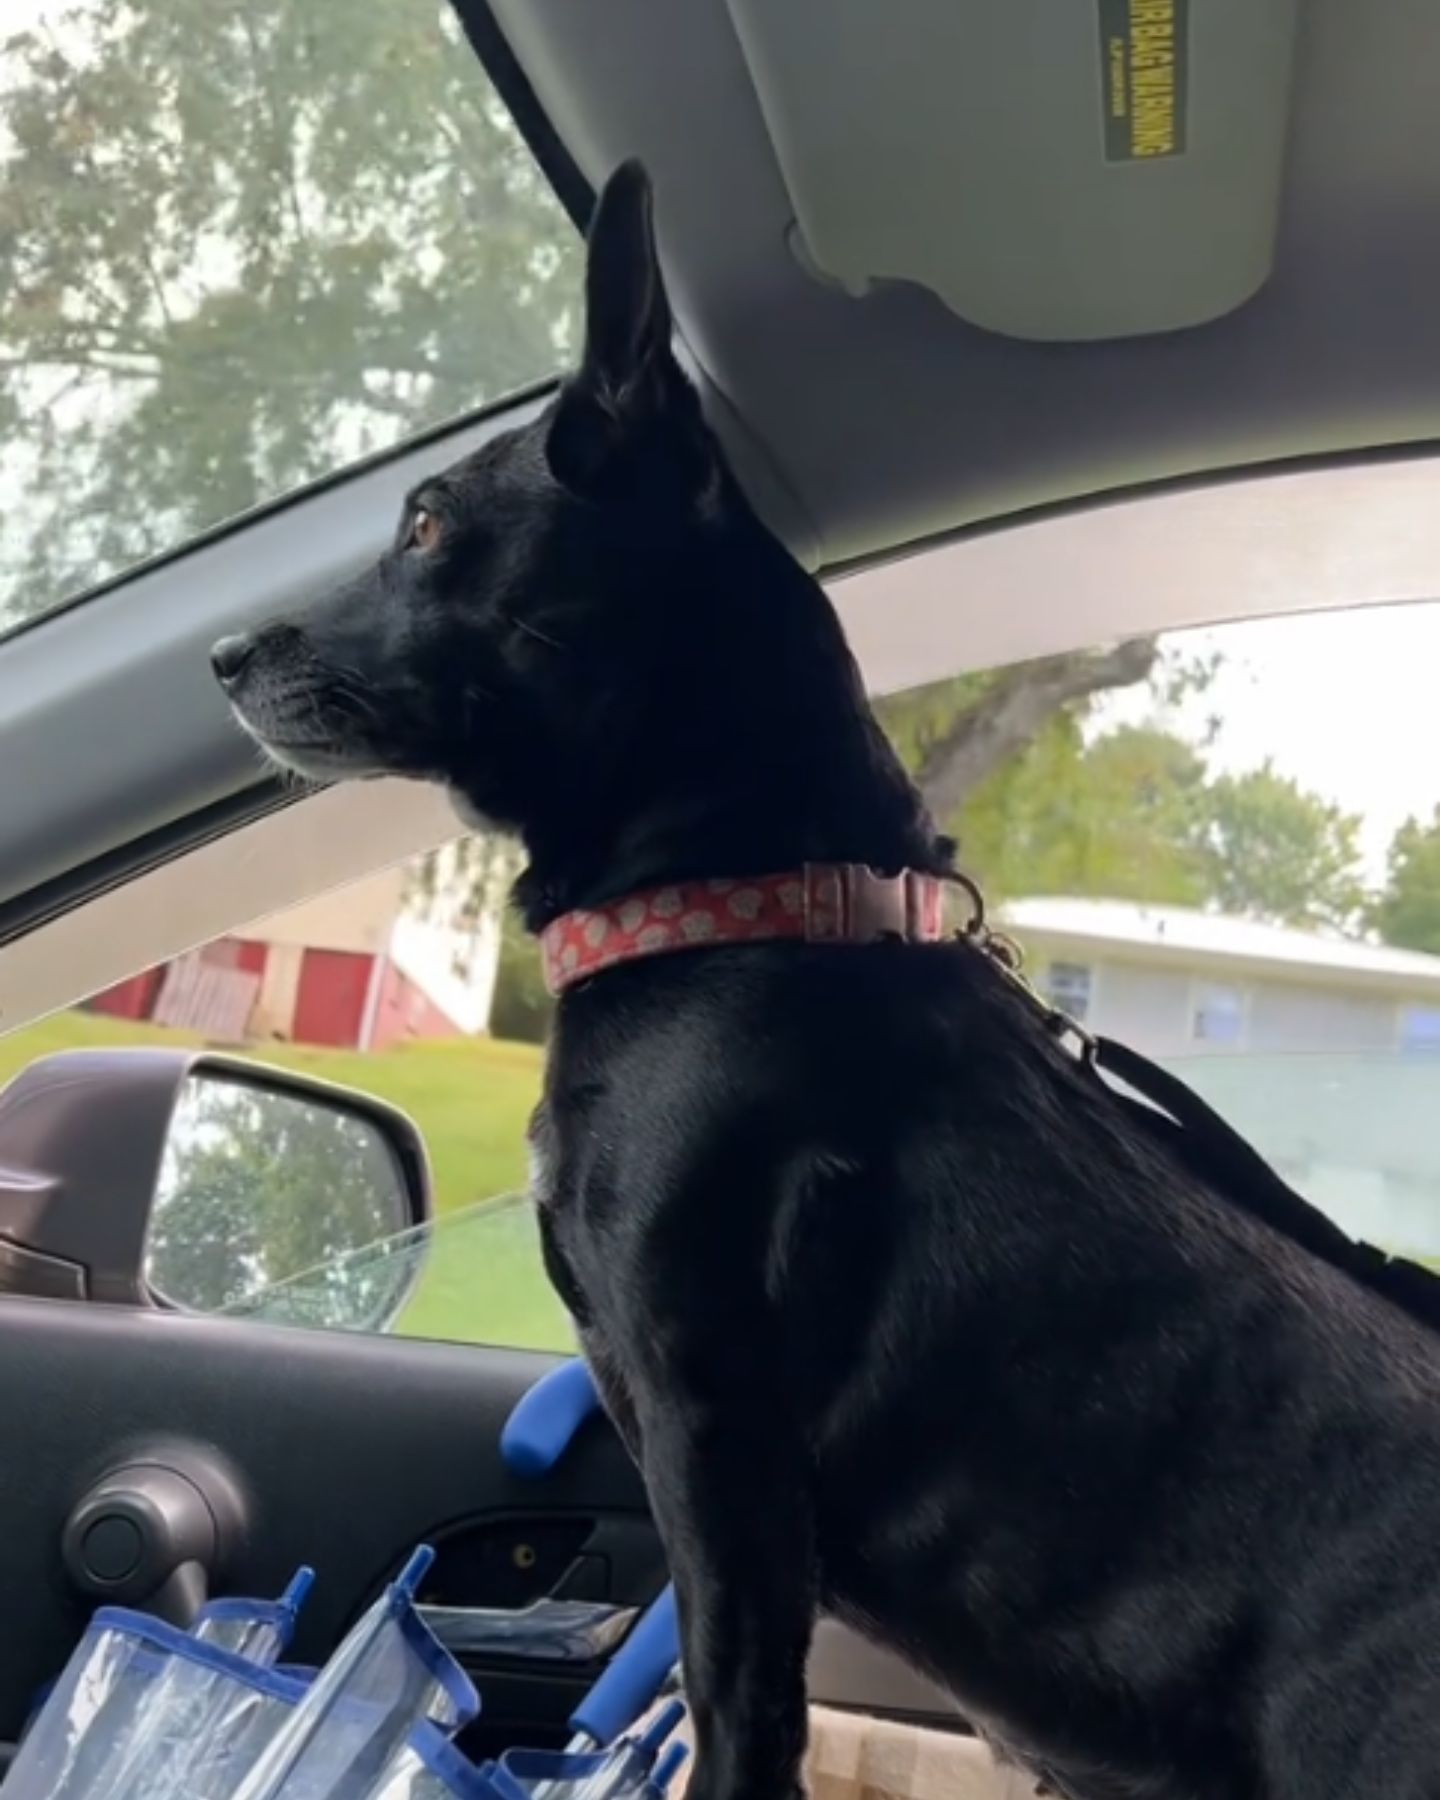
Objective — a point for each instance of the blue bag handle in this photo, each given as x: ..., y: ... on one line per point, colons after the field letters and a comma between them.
x: 535, y: 1437
x: 634, y: 1676
x: 540, y: 1429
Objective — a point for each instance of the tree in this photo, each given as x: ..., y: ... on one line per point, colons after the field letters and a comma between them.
x: 523, y: 1007
x: 1407, y: 912
x: 241, y: 246
x: 1008, y: 761
x: 1274, y: 851
x: 1113, y: 817
x: 1042, y: 804
x: 956, y: 734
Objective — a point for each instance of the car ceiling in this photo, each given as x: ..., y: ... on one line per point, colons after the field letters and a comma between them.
x: 866, y: 424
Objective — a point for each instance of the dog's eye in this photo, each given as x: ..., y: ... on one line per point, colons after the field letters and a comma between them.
x: 424, y: 530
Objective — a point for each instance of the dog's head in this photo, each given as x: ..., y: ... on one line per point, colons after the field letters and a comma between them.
x: 581, y: 629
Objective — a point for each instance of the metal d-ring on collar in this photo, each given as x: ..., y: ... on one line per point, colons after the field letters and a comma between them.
x: 1006, y: 955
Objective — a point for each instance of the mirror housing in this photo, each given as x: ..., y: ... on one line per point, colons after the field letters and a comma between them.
x: 85, y: 1139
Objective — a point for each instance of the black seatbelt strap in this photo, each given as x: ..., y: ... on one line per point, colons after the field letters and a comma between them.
x: 1237, y: 1172
x: 1174, y: 1114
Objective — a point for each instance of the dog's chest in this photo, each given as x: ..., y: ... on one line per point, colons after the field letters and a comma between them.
x: 561, y: 1146
x: 539, y: 1144
x: 562, y: 1157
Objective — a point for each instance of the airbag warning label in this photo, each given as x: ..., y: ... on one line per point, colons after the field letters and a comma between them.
x: 1145, y: 65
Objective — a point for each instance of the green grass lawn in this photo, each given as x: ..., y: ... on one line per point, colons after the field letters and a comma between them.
x: 471, y: 1098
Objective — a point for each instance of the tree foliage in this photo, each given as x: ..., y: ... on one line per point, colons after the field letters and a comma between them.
x: 1271, y: 850
x: 1065, y: 805
x: 523, y: 1008
x: 1407, y: 913
x: 239, y: 247
x: 1115, y: 817
x: 958, y: 733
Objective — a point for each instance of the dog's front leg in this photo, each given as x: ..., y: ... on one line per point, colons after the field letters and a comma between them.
x: 732, y: 1499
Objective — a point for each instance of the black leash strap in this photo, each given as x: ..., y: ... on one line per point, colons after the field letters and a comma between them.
x: 1238, y: 1173
x: 1215, y: 1151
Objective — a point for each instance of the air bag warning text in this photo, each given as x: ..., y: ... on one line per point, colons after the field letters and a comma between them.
x: 1144, y: 51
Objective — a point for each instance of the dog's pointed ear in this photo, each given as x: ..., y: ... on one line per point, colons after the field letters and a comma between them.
x: 629, y: 383
x: 627, y: 313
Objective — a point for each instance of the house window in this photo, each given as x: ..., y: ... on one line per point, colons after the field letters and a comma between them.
x: 1420, y: 1030
x: 1068, y: 987
x: 1217, y: 1013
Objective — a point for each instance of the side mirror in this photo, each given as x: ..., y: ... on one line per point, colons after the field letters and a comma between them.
x: 166, y: 1178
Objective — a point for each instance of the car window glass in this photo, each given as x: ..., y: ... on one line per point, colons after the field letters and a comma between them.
x: 1218, y: 1013
x: 1067, y: 985
x: 1196, y: 862
x: 1420, y: 1029
x: 241, y: 247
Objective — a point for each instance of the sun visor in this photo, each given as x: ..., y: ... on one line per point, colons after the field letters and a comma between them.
x: 1052, y: 169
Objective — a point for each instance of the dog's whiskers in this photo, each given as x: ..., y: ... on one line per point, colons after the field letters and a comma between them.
x: 358, y: 705
x: 534, y: 631
x: 349, y: 689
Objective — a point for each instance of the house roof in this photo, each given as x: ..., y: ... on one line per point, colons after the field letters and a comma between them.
x: 1182, y: 934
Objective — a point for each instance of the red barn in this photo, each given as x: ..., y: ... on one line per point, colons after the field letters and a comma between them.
x: 356, y: 969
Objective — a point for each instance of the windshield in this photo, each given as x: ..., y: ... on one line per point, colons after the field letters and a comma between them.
x: 239, y: 248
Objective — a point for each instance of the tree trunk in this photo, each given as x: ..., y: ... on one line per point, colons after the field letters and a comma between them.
x: 1013, y: 711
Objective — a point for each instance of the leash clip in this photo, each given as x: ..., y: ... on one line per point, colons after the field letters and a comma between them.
x: 1071, y: 1035
x: 1006, y: 955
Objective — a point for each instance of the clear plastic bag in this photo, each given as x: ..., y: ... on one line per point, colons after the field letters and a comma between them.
x: 390, y: 1675
x: 429, y: 1767
x: 185, y: 1694
x: 200, y: 1705
x: 146, y: 1712
x: 235, y: 1743
x: 90, y: 1712
x: 211, y: 1715
x: 635, y: 1767
x: 575, y: 1631
x: 135, y: 1707
x: 258, y: 1630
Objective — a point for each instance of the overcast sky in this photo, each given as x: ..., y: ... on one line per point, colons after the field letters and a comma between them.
x: 1348, y: 703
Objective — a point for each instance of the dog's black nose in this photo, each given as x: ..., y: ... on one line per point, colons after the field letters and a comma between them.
x: 230, y: 655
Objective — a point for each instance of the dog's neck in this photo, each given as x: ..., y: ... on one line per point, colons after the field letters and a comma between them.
x: 778, y: 762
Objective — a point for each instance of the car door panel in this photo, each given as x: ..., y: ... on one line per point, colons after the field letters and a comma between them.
x: 345, y: 1451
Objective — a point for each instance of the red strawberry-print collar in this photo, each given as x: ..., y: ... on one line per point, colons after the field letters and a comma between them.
x: 822, y: 903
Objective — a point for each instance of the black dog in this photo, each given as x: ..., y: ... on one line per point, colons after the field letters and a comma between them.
x: 904, y: 1315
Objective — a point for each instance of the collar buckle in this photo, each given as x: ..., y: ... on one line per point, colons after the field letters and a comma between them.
x: 849, y: 903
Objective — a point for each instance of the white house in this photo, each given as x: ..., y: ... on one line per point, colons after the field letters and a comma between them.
x: 1175, y: 982
x: 1313, y: 1047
